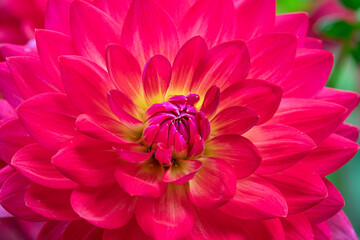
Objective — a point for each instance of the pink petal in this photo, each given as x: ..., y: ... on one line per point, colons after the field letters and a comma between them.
x: 6, y: 111
x: 239, y: 152
x: 125, y: 72
x: 145, y: 40
x: 317, y: 119
x: 301, y: 187
x: 60, y: 44
x: 163, y: 154
x: 156, y: 78
x: 141, y: 179
x: 129, y: 231
x: 50, y: 203
x: 175, y: 8
x: 310, y: 72
x: 82, y: 230
x: 213, y: 185
x: 5, y: 173
x: 213, y: 20
x: 211, y: 101
x: 14, y: 137
x: 8, y: 87
x: 280, y: 146
x: 256, y: 199
x: 348, y: 131
x: 134, y: 154
x: 92, y: 30
x: 185, y: 64
x: 29, y: 76
x: 297, y: 227
x: 168, y: 217
x: 4, y: 213
x: 295, y: 23
x: 34, y: 162
x: 313, y: 43
x: 12, y: 50
x: 79, y: 161
x: 328, y: 207
x: 255, y: 18
x: 341, y: 228
x: 12, y: 198
x: 321, y: 231
x: 52, y: 230
x: 114, y: 8
x: 49, y: 118
x: 86, y: 84
x: 116, y: 207
x: 347, y: 99
x: 236, y: 120
x: 272, y: 62
x: 181, y: 171
x: 223, y: 65
x: 196, y: 146
x: 57, y: 17
x: 259, y: 95
x: 331, y: 154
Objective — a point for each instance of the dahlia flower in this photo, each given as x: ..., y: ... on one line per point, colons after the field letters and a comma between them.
x: 150, y: 119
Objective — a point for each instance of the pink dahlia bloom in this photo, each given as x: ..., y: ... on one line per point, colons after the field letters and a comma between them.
x: 182, y: 119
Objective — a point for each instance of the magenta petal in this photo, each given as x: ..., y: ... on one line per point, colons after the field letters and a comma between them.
x: 295, y: 23
x: 8, y: 87
x: 322, y: 231
x: 59, y: 44
x: 168, y: 217
x: 313, y: 43
x: 29, y: 76
x: 145, y: 40
x: 82, y: 230
x: 156, y: 78
x: 79, y: 161
x: 239, y: 152
x: 310, y: 72
x: 163, y: 154
x: 297, y: 227
x: 280, y: 146
x: 211, y: 19
x: 12, y: 50
x: 50, y: 203
x: 255, y: 18
x: 236, y: 119
x: 272, y: 62
x: 49, y: 118
x: 141, y: 179
x: 348, y: 131
x: 129, y: 231
x: 117, y: 9
x: 331, y: 154
x: 12, y: 195
x: 213, y: 185
x: 328, y: 207
x: 181, y: 171
x: 318, y: 119
x: 175, y: 8
x: 52, y: 230
x: 211, y: 101
x: 261, y: 96
x: 185, y: 64
x: 86, y: 84
x: 222, y: 65
x: 116, y: 207
x: 92, y: 30
x: 34, y: 162
x: 57, y: 16
x: 136, y: 155
x: 340, y: 227
x: 196, y: 146
x: 6, y: 111
x: 256, y: 199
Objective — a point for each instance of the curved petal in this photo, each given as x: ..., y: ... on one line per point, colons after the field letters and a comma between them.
x: 130, y: 231
x: 211, y: 101
x: 213, y: 185
x: 348, y: 131
x: 259, y: 95
x: 185, y: 64
x: 313, y: 43
x: 181, y: 171
x: 239, y: 152
x: 321, y: 231
x: 12, y: 50
x: 310, y: 72
x: 255, y: 18
x: 52, y: 230
x: 318, y: 119
x: 295, y: 23
x: 156, y: 78
x: 256, y: 199
x: 223, y: 65
x: 57, y: 16
x: 175, y: 8
x: 331, y: 154
x: 297, y: 227
x: 79, y: 161
x: 34, y: 162
x: 272, y: 62
x: 49, y: 118
x: 8, y: 87
x: 235, y: 120
x: 211, y: 19
x: 168, y: 217
x: 92, y: 30
x: 145, y: 40
x: 50, y: 203
x: 82, y: 230
x: 114, y: 8
x: 280, y: 146
x: 340, y: 227
x: 105, y: 207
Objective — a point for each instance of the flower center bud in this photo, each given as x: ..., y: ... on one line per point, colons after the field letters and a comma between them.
x: 176, y: 129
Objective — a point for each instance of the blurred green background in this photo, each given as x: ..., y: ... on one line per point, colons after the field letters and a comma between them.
x: 337, y: 23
